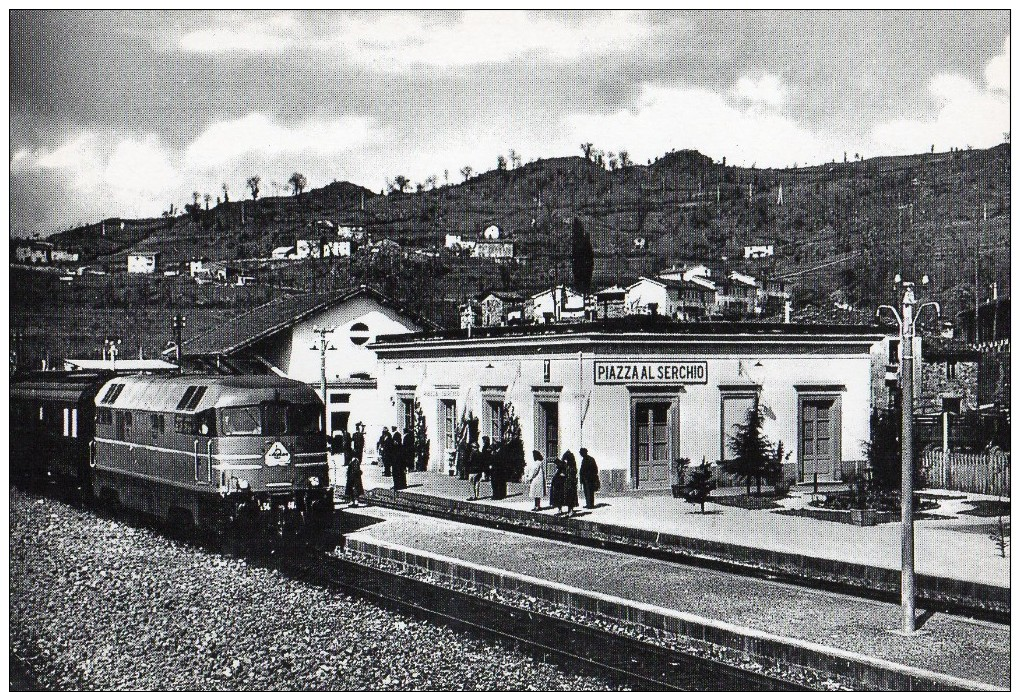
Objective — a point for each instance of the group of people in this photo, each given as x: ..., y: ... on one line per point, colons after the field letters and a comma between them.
x: 352, y: 449
x: 488, y: 461
x: 397, y: 453
x: 564, y: 482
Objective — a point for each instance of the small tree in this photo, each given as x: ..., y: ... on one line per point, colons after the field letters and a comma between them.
x: 400, y: 183
x: 421, y: 438
x: 752, y: 451
x: 513, y: 443
x: 587, y: 148
x: 466, y: 171
x: 501, y: 162
x: 625, y: 160
x: 297, y: 182
x: 253, y: 185
x: 226, y: 193
x: 700, y: 485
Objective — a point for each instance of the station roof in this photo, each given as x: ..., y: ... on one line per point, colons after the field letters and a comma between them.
x: 277, y: 315
x: 645, y: 325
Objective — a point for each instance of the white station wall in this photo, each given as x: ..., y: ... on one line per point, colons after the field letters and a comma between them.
x: 598, y: 416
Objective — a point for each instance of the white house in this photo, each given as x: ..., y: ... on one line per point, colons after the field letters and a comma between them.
x: 554, y: 304
x: 281, y: 335
x: 493, y: 250
x: 336, y: 248
x: 491, y: 232
x: 284, y: 252
x: 142, y: 262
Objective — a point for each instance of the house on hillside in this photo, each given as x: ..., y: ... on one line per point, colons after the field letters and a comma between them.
x: 492, y: 249
x: 558, y: 304
x: 671, y: 297
x: 60, y: 256
x: 35, y: 252
x: 501, y: 307
x: 611, y: 302
x: 280, y: 337
x: 142, y: 262
x: 284, y: 252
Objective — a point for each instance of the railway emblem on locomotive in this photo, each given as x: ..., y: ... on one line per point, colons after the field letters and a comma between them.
x: 277, y: 455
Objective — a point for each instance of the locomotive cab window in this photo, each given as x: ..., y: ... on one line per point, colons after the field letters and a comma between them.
x: 271, y: 418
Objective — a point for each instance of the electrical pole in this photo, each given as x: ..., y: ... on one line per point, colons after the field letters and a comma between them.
x: 322, y: 347
x: 180, y: 321
x: 906, y: 319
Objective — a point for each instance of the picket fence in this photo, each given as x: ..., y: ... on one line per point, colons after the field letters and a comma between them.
x: 985, y: 472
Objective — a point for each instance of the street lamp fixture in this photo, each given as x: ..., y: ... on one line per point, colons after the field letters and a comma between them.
x: 906, y: 319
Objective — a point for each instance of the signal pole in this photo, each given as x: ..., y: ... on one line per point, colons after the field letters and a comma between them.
x: 906, y: 320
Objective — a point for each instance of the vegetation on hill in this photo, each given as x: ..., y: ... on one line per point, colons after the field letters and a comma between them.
x: 841, y: 233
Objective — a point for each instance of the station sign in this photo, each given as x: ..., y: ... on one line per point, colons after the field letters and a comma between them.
x: 638, y: 371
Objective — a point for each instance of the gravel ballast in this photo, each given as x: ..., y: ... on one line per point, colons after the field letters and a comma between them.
x: 95, y: 603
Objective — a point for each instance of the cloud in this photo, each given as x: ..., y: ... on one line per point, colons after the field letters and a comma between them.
x: 666, y: 118
x: 766, y: 91
x: 395, y: 41
x: 256, y: 134
x: 967, y: 115
x: 997, y: 70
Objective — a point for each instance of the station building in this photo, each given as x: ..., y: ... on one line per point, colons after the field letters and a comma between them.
x: 281, y: 337
x: 639, y: 394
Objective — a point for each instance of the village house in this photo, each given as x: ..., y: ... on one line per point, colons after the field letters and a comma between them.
x: 142, y: 262
x: 280, y: 337
x: 558, y: 304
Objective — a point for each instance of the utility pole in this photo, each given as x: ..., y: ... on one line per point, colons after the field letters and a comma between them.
x: 906, y: 319
x: 322, y: 347
x: 179, y: 322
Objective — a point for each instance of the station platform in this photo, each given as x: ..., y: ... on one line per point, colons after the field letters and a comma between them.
x: 848, y: 636
x: 955, y: 547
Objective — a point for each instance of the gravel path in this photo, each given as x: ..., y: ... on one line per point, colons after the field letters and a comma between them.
x: 97, y: 604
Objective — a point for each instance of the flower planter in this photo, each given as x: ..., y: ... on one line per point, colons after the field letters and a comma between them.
x: 862, y: 517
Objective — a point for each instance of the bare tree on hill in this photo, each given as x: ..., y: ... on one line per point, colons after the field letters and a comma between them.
x: 587, y: 148
x: 253, y: 185
x: 297, y: 182
x: 466, y: 171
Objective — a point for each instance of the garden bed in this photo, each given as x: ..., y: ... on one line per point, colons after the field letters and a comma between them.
x: 854, y: 516
x: 765, y: 501
x: 987, y: 508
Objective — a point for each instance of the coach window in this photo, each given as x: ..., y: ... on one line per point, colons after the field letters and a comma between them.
x: 157, y: 425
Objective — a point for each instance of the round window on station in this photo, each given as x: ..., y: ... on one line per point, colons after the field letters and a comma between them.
x: 359, y: 334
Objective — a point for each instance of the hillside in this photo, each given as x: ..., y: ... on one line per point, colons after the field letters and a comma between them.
x: 841, y: 233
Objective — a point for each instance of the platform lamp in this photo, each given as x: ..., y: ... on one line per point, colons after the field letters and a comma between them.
x: 322, y: 347
x: 906, y: 319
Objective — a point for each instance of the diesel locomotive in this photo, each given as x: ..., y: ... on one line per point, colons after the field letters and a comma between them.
x: 221, y: 453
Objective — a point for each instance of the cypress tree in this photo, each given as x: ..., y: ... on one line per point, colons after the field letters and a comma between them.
x: 752, y: 451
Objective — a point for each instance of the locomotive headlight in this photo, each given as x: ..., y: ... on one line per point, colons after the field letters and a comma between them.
x: 314, y: 481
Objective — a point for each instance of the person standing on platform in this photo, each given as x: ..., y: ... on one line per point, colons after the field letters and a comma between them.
x: 476, y: 467
x: 384, y: 447
x: 358, y: 442
x: 570, y: 483
x: 354, y: 488
x: 534, y: 476
x: 496, y: 460
x: 409, y: 450
x: 337, y: 459
x: 589, y: 477
x: 397, y: 461
x: 557, y: 483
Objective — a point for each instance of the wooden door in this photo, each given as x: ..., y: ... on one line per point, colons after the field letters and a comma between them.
x: 818, y: 439
x: 651, y: 454
x: 550, y: 429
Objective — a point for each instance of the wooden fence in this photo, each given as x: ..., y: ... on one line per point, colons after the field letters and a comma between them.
x: 985, y: 472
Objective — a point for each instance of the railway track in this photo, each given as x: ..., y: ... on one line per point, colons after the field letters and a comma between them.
x: 625, y: 660
x: 622, y: 659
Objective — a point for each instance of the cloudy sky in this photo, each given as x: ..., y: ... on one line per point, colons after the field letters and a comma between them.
x: 123, y: 113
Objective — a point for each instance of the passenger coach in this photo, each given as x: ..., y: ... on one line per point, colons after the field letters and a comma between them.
x: 216, y: 451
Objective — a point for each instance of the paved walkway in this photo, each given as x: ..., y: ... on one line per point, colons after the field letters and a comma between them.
x: 946, y: 644
x: 957, y: 548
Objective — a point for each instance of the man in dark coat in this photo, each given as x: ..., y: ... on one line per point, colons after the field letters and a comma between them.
x: 397, y: 461
x: 589, y: 477
x: 358, y: 442
x: 385, y: 449
x: 409, y: 450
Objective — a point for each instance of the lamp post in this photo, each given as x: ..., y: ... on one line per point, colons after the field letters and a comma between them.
x: 906, y: 319
x: 179, y: 323
x: 322, y: 347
